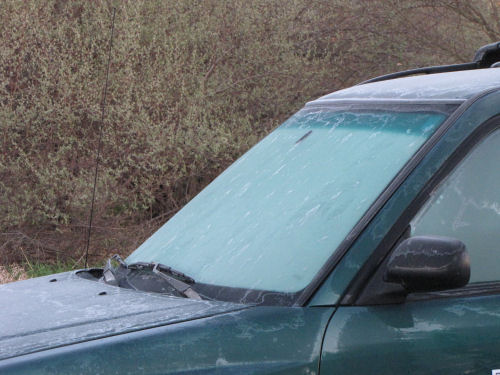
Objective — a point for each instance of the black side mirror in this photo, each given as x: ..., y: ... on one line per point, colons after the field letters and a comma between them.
x: 429, y: 263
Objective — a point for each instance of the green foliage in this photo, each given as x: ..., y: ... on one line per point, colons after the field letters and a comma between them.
x: 38, y: 269
x: 193, y: 84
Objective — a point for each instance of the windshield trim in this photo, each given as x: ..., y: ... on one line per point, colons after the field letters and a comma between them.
x: 371, y: 101
x: 308, y: 292
x: 445, y: 108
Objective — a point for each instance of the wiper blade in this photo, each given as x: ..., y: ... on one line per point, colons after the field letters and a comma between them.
x: 177, y: 284
x: 177, y: 280
x: 162, y: 268
x: 119, y: 276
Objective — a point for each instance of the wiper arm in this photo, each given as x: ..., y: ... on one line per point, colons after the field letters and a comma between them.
x: 177, y: 280
x: 163, y: 268
x: 178, y: 285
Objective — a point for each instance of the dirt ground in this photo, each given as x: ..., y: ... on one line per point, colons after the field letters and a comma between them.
x: 11, y: 273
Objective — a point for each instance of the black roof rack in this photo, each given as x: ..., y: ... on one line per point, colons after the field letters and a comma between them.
x: 485, y: 57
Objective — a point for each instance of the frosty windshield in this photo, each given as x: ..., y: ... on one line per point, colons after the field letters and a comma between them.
x: 272, y: 219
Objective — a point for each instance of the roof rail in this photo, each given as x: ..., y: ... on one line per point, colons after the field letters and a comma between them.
x: 484, y: 57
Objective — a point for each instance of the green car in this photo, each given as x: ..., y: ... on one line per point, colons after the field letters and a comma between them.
x: 362, y: 236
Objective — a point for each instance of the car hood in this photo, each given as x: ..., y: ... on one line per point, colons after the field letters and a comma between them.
x: 63, y: 309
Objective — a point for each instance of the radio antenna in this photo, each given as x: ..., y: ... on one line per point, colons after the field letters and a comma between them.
x: 103, y: 107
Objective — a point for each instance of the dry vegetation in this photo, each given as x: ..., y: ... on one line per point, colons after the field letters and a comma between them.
x: 13, y: 272
x: 193, y: 84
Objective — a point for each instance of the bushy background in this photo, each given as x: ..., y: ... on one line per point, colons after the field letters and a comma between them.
x: 193, y: 85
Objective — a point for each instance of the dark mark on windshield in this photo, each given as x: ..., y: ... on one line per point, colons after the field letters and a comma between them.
x: 304, y: 136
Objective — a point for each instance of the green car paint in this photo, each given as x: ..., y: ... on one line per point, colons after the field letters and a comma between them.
x: 442, y: 336
x: 266, y: 340
x: 74, y: 323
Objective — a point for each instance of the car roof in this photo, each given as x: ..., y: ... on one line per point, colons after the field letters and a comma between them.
x: 440, y: 87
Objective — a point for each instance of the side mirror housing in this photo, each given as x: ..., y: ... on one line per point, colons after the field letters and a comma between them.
x: 429, y: 263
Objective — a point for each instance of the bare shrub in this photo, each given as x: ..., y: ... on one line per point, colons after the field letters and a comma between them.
x: 193, y: 85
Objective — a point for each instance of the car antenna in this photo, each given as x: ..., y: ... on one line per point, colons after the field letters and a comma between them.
x: 103, y: 107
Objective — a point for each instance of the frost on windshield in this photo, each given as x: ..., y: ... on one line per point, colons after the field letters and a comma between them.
x: 271, y: 220
x: 467, y: 207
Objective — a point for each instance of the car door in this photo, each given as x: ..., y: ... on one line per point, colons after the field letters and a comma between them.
x: 450, y: 332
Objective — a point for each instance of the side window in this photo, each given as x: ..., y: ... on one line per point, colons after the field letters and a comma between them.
x: 466, y: 206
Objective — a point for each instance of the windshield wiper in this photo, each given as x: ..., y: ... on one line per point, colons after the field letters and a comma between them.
x: 177, y: 280
x: 162, y: 268
x: 119, y: 276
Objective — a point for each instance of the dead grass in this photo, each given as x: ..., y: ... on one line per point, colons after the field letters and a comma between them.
x: 13, y: 272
